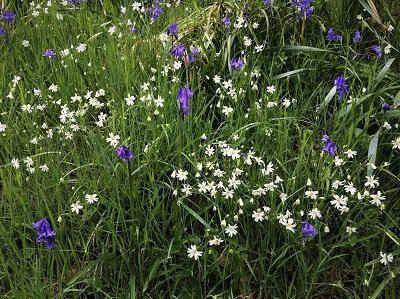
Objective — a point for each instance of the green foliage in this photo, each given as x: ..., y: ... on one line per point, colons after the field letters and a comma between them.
x: 133, y: 242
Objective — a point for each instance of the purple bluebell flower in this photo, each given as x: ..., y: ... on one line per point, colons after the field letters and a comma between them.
x: 237, y: 64
x: 356, y: 37
x: 183, y: 97
x: 3, y: 31
x: 49, y: 53
x: 173, y: 29
x: 124, y: 153
x: 326, y: 138
x: 8, y: 15
x: 268, y: 3
x: 331, y: 36
x: 226, y: 21
x: 133, y: 29
x: 330, y: 146
x: 341, y: 87
x: 178, y: 51
x: 386, y: 107
x: 76, y: 2
x: 193, y: 54
x: 45, y: 232
x: 155, y: 12
x: 377, y: 50
x: 308, y: 230
x: 304, y: 7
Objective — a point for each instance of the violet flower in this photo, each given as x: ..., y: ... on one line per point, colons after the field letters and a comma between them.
x: 155, y: 12
x: 308, y: 230
x: 304, y: 7
x: 3, y: 31
x: 386, y: 107
x: 49, y: 53
x: 178, y: 51
x: 173, y: 29
x: 331, y: 36
x: 341, y: 87
x: 330, y: 146
x: 356, y: 37
x: 76, y: 2
x: 45, y: 232
x: 193, y: 54
x: 8, y: 15
x: 237, y: 64
x: 377, y: 50
x: 269, y: 4
x: 183, y: 97
x: 226, y: 21
x: 124, y: 153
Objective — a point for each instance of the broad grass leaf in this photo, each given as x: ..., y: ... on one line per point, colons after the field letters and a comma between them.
x: 372, y: 151
x: 383, y: 71
x: 327, y: 99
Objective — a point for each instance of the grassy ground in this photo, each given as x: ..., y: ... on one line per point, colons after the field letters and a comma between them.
x: 247, y: 167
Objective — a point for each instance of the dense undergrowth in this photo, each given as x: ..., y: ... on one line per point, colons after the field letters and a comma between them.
x: 200, y: 149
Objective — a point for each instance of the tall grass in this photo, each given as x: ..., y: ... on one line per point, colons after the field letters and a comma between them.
x: 133, y: 242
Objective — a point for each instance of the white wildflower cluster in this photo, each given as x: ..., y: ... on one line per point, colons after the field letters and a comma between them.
x: 221, y: 176
x: 39, y: 8
x: 90, y: 199
x: 147, y: 98
x: 29, y: 163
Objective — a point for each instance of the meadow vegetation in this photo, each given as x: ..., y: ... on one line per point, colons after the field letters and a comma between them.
x: 200, y: 149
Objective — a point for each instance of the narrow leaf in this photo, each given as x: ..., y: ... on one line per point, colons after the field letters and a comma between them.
x: 197, y: 216
x: 380, y: 288
x: 389, y: 114
x: 153, y: 270
x: 328, y: 98
x: 397, y: 98
x: 392, y: 236
x: 288, y: 74
x: 383, y: 71
x: 372, y: 151
x: 346, y: 109
x: 370, y: 7
x: 375, y: 11
x: 296, y: 48
x: 76, y: 279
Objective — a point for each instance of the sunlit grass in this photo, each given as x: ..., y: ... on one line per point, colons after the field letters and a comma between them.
x: 266, y: 119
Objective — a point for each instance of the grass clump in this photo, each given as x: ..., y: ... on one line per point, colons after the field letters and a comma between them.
x: 199, y: 149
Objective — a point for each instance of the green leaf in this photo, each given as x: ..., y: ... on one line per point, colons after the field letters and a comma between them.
x: 346, y: 109
x: 372, y: 151
x: 392, y: 236
x: 76, y: 279
x: 328, y: 98
x: 133, y: 287
x: 397, y: 98
x: 370, y: 7
x: 296, y: 48
x: 288, y: 74
x: 153, y: 270
x: 389, y: 114
x: 379, y: 289
x: 197, y: 216
x: 108, y: 7
x: 383, y: 72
